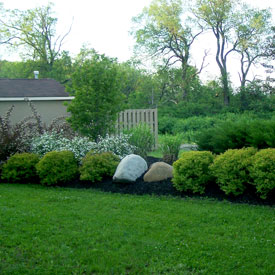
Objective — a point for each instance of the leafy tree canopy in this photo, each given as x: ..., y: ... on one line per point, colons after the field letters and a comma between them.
x: 97, y: 89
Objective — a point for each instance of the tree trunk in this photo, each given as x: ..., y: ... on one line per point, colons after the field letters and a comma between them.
x: 226, y: 91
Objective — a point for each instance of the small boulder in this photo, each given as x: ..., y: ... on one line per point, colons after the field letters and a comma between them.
x: 130, y: 168
x: 158, y: 171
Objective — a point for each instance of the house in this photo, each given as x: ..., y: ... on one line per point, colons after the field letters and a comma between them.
x: 47, y: 95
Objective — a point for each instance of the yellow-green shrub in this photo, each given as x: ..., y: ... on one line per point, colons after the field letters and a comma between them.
x: 20, y: 168
x: 231, y: 170
x: 263, y: 171
x: 191, y: 171
x: 96, y: 166
x: 57, y: 167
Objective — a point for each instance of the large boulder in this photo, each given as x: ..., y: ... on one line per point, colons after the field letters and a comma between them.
x: 130, y: 168
x: 158, y: 171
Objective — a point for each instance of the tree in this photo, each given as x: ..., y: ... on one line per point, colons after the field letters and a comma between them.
x: 35, y: 31
x: 98, y: 98
x: 218, y: 16
x: 61, y: 70
x: 17, y: 69
x: 271, y: 43
x: 252, y: 32
x: 161, y: 33
x: 170, y: 84
x: 237, y: 28
x: 5, y: 37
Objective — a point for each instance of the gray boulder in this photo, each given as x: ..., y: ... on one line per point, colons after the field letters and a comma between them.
x: 130, y: 168
x: 158, y: 171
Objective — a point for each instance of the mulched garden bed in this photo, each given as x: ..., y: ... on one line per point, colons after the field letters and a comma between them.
x: 165, y: 188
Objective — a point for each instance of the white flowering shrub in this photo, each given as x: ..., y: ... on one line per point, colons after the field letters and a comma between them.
x: 48, y: 142
x: 119, y: 145
x: 80, y: 146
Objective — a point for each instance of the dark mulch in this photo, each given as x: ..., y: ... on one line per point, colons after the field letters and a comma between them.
x: 166, y: 188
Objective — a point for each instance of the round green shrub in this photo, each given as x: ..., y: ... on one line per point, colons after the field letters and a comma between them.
x: 96, y: 166
x: 191, y: 171
x: 231, y: 170
x: 263, y: 172
x: 57, y: 167
x: 20, y: 168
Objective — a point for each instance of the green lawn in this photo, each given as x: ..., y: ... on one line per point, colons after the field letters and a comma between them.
x: 71, y: 231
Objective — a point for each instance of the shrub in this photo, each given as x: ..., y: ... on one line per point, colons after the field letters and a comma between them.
x: 226, y: 136
x: 170, y: 147
x: 191, y: 171
x: 15, y: 138
x: 261, y: 134
x: 20, y: 168
x: 231, y: 170
x: 118, y: 145
x: 262, y: 172
x: 57, y: 167
x: 237, y: 135
x: 54, y: 141
x: 95, y: 166
x: 166, y: 124
x: 142, y: 138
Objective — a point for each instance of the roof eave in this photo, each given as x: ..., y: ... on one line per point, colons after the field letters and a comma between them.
x: 61, y: 98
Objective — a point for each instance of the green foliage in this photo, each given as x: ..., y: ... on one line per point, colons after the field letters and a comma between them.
x: 191, y: 126
x: 97, y: 166
x: 166, y: 124
x: 142, y: 138
x: 261, y: 133
x: 20, y: 168
x: 262, y: 172
x: 33, y: 33
x: 61, y: 69
x: 57, y: 167
x: 170, y: 147
x: 257, y: 96
x: 231, y: 170
x: 236, y: 135
x: 96, y: 87
x: 191, y: 171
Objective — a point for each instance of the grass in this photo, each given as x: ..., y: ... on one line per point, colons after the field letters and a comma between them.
x: 75, y: 231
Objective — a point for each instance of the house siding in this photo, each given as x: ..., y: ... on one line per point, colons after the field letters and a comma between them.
x: 49, y: 110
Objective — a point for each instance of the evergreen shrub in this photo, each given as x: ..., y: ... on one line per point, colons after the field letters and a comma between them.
x: 236, y: 135
x: 231, y: 170
x: 95, y: 166
x: 191, y: 171
x: 263, y: 172
x: 57, y: 167
x: 261, y: 134
x: 166, y: 124
x: 20, y: 168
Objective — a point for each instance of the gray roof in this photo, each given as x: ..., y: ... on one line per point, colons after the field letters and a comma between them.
x: 31, y: 88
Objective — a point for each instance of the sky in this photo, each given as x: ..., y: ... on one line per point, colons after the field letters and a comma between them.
x: 105, y: 24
